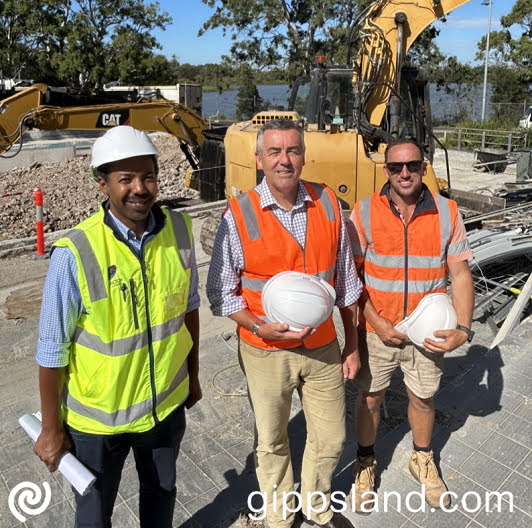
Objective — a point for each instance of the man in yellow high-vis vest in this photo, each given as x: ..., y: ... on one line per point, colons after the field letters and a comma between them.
x: 118, y: 341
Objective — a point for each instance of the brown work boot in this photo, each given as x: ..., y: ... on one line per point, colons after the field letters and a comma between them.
x: 364, y: 474
x: 424, y: 470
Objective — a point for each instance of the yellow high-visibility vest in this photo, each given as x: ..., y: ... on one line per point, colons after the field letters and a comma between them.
x: 128, y: 357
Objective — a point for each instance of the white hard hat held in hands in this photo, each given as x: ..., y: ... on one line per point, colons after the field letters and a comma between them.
x: 434, y: 312
x: 119, y: 143
x: 298, y: 299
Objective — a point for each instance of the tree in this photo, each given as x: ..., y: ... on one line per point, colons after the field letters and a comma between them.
x: 282, y: 33
x: 110, y: 38
x: 512, y: 74
x: 84, y: 43
x: 30, y: 34
x: 249, y: 102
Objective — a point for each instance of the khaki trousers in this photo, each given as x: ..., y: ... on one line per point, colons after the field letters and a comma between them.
x: 272, y: 377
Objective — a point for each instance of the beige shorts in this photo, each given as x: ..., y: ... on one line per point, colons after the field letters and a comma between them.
x: 422, y: 369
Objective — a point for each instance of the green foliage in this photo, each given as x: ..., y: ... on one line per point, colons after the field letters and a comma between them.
x: 424, y: 53
x: 84, y: 43
x: 286, y: 34
x: 249, y: 102
x: 511, y: 56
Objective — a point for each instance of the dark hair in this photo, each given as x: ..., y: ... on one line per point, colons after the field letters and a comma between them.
x: 403, y: 141
x: 279, y: 124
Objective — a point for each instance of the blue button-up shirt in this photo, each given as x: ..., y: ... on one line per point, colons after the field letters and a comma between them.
x: 227, y: 262
x: 62, y: 305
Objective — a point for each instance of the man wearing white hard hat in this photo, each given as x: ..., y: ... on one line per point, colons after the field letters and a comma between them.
x: 118, y: 336
x: 285, y: 224
x: 407, y: 241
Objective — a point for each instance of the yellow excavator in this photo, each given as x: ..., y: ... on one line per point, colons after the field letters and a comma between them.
x: 45, y: 108
x: 350, y: 114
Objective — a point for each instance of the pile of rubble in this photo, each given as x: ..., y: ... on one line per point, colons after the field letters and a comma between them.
x: 70, y: 195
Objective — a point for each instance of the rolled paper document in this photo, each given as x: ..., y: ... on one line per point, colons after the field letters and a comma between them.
x: 75, y: 472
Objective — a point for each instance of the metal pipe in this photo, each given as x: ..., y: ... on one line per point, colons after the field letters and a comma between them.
x: 395, y: 103
x: 484, y: 94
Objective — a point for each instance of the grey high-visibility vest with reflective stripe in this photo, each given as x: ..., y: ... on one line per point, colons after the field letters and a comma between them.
x: 128, y: 361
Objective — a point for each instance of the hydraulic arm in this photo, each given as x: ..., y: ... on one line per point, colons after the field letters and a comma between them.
x: 26, y: 110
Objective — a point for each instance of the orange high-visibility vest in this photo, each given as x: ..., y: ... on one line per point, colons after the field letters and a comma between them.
x: 402, y: 264
x: 269, y: 249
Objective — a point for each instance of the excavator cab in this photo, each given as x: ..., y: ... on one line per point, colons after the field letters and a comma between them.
x: 324, y: 98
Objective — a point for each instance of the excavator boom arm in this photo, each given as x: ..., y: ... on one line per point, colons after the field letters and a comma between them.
x: 25, y: 110
x: 378, y: 63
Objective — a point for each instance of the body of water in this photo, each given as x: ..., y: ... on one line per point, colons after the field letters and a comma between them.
x: 445, y: 106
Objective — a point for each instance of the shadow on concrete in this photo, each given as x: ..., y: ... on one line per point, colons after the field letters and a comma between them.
x: 232, y: 502
x: 472, y: 385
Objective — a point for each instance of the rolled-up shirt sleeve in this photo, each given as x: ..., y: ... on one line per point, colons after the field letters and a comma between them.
x: 61, y: 308
x: 347, y: 283
x: 223, y: 281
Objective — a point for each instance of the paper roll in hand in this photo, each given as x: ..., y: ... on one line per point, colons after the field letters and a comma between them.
x: 75, y: 472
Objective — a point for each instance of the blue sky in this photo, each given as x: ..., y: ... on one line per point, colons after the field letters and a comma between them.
x: 465, y: 26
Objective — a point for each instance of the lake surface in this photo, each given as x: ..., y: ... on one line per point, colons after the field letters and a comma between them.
x: 445, y: 106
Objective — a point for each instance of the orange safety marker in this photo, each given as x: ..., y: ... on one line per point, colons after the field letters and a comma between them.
x: 40, y: 226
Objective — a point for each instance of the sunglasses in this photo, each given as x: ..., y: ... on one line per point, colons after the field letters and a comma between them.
x: 396, y: 167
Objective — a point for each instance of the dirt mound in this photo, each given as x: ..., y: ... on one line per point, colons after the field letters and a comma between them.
x: 70, y: 195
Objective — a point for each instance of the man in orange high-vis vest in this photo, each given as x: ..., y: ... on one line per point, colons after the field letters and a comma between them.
x: 287, y: 224
x: 406, y: 241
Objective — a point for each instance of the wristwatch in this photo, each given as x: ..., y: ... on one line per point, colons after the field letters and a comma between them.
x: 255, y: 328
x: 468, y: 331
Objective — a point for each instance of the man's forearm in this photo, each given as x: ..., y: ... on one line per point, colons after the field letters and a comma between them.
x: 193, y: 325
x: 463, y: 294
x: 51, y: 382
x: 349, y: 320
x: 245, y: 318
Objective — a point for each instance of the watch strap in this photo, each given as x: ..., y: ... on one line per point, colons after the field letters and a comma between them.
x: 468, y: 331
x: 255, y: 328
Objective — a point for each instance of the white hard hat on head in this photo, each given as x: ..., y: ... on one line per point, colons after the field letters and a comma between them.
x: 434, y: 312
x: 119, y: 143
x: 298, y: 299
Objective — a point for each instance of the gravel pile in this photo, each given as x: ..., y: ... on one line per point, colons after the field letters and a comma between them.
x: 70, y: 195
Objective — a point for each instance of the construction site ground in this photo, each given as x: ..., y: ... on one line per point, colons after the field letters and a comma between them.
x: 482, y: 435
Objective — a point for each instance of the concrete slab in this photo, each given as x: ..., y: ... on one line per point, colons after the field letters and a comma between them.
x: 483, y: 434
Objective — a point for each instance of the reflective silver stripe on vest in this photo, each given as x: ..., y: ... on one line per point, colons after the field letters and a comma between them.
x: 326, y: 275
x: 459, y: 247
x: 445, y: 222
x: 124, y: 416
x: 398, y: 261
x: 398, y: 286
x: 325, y: 199
x: 91, y: 268
x: 250, y: 218
x: 365, y: 218
x: 123, y: 346
x: 257, y: 285
x: 182, y: 237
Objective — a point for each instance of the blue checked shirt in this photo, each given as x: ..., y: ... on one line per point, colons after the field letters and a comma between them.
x: 62, y: 305
x: 223, y: 283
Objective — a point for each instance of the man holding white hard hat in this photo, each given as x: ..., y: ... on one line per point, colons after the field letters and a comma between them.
x: 406, y: 241
x: 285, y: 224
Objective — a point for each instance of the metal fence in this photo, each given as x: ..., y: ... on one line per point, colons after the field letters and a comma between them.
x: 475, y: 138
x: 454, y: 109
